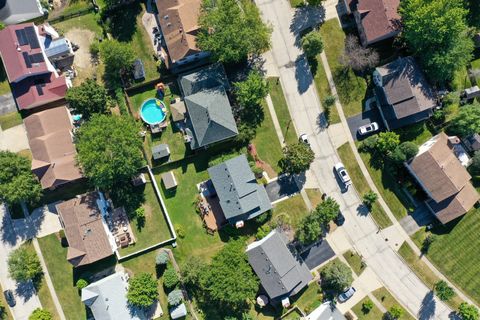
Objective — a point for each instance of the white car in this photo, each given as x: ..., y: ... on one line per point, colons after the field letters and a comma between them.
x: 342, y: 297
x: 368, y: 128
x: 304, y: 138
x: 343, y: 174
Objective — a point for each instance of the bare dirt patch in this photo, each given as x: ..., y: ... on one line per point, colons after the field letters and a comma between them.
x: 83, y: 60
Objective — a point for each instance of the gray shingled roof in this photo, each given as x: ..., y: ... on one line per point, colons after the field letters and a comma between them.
x: 241, y: 197
x: 209, y: 77
x: 107, y: 299
x: 281, y: 274
x: 210, y: 117
x: 160, y: 151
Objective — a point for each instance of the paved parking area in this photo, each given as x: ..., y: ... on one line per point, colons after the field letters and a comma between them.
x: 317, y: 254
x: 14, y: 139
x: 371, y: 114
x: 282, y: 187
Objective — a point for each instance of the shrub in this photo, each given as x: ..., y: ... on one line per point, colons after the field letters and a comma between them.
x: 170, y: 278
x: 162, y: 258
x: 369, y: 143
x: 367, y: 306
x: 81, y: 283
x: 180, y: 231
x: 61, y: 234
x: 369, y: 199
x: 427, y: 242
x: 40, y: 314
x: 468, y: 312
x: 263, y: 231
x: 329, y: 101
x: 264, y: 217
x: 409, y: 149
x: 94, y: 48
x: 175, y: 297
x: 394, y: 313
x: 443, y: 291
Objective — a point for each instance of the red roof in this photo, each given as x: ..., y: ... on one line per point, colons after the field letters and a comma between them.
x: 39, y: 90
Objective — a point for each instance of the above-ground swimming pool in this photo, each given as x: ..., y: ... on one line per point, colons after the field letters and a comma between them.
x: 153, y: 111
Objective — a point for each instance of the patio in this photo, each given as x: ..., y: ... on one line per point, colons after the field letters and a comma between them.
x: 209, y: 207
x: 120, y: 228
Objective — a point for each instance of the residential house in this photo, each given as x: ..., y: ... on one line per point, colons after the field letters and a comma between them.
x: 326, y: 311
x: 403, y: 95
x: 178, y: 21
x: 17, y: 11
x: 439, y: 171
x: 25, y: 50
x: 209, y: 113
x: 87, y: 233
x: 107, y: 299
x: 241, y: 197
x: 282, y: 274
x: 377, y: 20
x: 472, y: 142
x: 50, y: 138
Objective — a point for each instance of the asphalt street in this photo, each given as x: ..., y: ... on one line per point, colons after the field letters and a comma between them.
x: 305, y: 109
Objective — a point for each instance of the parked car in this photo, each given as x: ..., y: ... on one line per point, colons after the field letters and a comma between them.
x: 368, y: 128
x: 10, y: 298
x: 340, y: 219
x: 343, y: 174
x: 342, y: 297
x: 304, y: 138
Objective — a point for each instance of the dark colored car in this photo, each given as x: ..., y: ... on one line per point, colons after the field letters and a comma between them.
x: 340, y: 219
x: 10, y: 298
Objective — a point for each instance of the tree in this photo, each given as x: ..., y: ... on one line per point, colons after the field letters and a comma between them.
x: 437, y: 32
x: 175, y: 297
x: 394, y: 313
x: 409, y: 149
x: 467, y: 121
x: 475, y: 165
x: 246, y: 133
x: 309, y: 229
x: 2, y: 26
x: 170, y: 277
x: 369, y: 198
x: 387, y: 142
x: 443, y: 291
x: 297, y: 158
x: 357, y: 57
x: 162, y: 258
x: 252, y: 91
x: 191, y: 271
x: 327, y: 211
x: 314, y: 2
x: 17, y: 182
x: 142, y: 290
x: 117, y: 57
x: 468, y: 312
x: 336, y: 276
x: 367, y: 306
x: 23, y: 265
x: 231, y: 30
x: 263, y: 231
x: 40, y: 314
x: 81, y: 283
x: 88, y: 98
x: 109, y: 149
x: 312, y: 44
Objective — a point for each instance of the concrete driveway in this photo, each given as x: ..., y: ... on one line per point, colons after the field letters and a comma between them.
x: 284, y: 186
x: 317, y: 254
x: 42, y: 222
x: 25, y: 294
x: 368, y: 116
x: 419, y: 218
x: 14, y: 139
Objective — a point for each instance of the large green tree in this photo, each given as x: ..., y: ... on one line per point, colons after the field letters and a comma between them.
x: 142, y: 290
x: 309, y: 229
x: 40, y: 314
x: 437, y: 32
x: 251, y: 92
x: 231, y: 30
x: 475, y: 165
x: 312, y: 44
x: 327, y: 211
x: 387, y: 142
x: 467, y: 121
x: 17, y: 182
x: 23, y: 265
x: 116, y: 56
x: 88, y: 98
x: 109, y: 149
x: 297, y: 158
x: 336, y: 276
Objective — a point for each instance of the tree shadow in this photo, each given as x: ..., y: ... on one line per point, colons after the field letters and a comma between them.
x: 306, y: 17
x: 302, y: 74
x: 122, y: 23
x: 25, y: 289
x: 427, y: 308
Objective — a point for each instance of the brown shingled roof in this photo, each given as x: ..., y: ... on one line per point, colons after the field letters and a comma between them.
x: 53, y: 151
x: 86, y: 235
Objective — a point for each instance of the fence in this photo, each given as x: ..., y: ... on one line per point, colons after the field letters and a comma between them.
x: 78, y: 13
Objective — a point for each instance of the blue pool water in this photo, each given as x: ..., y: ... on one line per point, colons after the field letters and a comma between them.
x: 151, y: 111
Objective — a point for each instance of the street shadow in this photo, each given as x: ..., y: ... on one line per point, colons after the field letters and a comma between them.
x: 8, y: 235
x: 302, y: 74
x: 322, y: 121
x: 304, y: 18
x: 427, y: 308
x: 25, y: 290
x: 362, y: 210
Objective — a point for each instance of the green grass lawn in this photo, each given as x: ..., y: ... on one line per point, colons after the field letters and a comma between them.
x: 10, y: 120
x: 323, y: 88
x: 417, y: 133
x: 373, y: 314
x: 355, y: 262
x: 297, y: 3
x: 87, y: 21
x: 155, y: 228
x: 456, y: 252
x: 4, y: 86
x: 293, y: 207
x: 352, y: 89
x: 388, y: 301
x: 310, y: 299
x: 461, y: 80
x: 281, y: 109
x: 360, y: 183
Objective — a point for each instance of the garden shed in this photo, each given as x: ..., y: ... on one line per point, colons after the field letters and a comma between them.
x: 169, y: 180
x: 160, y: 151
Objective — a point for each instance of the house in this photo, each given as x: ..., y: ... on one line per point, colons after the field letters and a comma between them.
x: 376, y: 20
x: 17, y: 11
x: 107, y: 299
x: 472, y: 142
x: 50, y: 138
x: 282, y: 274
x: 34, y: 79
x: 439, y: 171
x: 402, y: 93
x: 326, y: 311
x: 178, y: 21
x: 241, y: 197
x: 88, y: 236
x: 210, y: 118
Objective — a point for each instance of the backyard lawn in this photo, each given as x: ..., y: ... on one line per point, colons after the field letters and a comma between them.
x: 281, y: 109
x: 461, y: 80
x: 355, y: 261
x: 388, y: 301
x: 352, y: 89
x: 361, y: 185
x: 87, y: 21
x: 373, y: 314
x: 456, y: 252
x: 10, y: 120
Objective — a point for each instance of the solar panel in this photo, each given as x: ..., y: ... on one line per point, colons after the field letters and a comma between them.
x: 36, y: 58
x: 26, y: 57
x: 21, y: 37
x: 32, y: 37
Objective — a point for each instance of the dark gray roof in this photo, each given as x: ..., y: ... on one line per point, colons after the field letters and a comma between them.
x: 281, y: 274
x: 10, y: 8
x: 210, y: 117
x: 472, y: 142
x: 241, y: 197
x: 209, y: 77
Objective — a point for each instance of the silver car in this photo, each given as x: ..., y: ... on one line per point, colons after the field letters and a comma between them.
x: 342, y: 297
x: 368, y: 128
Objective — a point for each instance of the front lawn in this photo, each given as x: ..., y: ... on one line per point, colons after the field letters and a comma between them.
x: 352, y: 88
x: 388, y: 301
x: 323, y: 87
x: 281, y: 109
x: 10, y: 120
x: 355, y: 261
x: 361, y: 185
x: 373, y: 314
x: 456, y: 252
x: 4, y: 85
